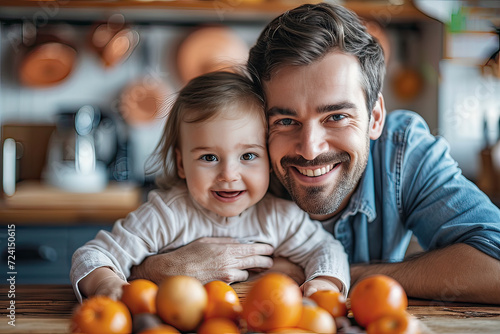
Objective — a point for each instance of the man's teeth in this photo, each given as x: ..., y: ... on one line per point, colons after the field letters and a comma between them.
x: 315, y: 172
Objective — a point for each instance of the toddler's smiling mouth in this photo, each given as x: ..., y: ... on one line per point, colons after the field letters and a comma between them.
x: 229, y: 194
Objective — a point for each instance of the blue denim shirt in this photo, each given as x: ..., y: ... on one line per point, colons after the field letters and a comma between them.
x: 412, y: 184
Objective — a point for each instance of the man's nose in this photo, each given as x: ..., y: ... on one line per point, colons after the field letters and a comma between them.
x: 312, y: 141
x: 229, y: 172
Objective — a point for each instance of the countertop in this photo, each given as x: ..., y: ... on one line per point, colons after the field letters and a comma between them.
x: 48, y: 308
x: 39, y: 202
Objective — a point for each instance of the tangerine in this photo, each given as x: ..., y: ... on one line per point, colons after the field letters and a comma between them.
x: 394, y: 323
x: 332, y: 301
x: 375, y: 296
x: 223, y: 302
x: 289, y: 330
x: 101, y: 314
x: 218, y: 326
x: 273, y: 301
x: 140, y: 296
x: 317, y: 320
x: 161, y: 329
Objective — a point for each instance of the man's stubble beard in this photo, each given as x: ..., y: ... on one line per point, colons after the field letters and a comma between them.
x: 325, y: 200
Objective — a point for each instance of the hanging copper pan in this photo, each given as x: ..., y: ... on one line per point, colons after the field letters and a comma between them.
x: 113, y: 42
x: 144, y: 99
x: 47, y: 62
x: 207, y: 49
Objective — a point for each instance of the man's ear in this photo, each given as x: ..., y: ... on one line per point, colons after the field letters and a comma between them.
x: 178, y: 162
x: 377, y: 119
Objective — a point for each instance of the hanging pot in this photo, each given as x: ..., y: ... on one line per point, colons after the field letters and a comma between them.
x: 47, y: 62
x: 113, y: 42
x: 207, y: 49
x: 142, y: 100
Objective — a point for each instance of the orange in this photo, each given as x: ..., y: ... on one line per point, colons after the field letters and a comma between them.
x: 101, y: 314
x: 218, y: 326
x: 273, y: 301
x: 317, y: 320
x: 376, y: 296
x: 140, y: 296
x: 181, y: 302
x: 289, y: 330
x: 332, y: 301
x: 223, y: 302
x: 161, y: 329
x: 394, y: 323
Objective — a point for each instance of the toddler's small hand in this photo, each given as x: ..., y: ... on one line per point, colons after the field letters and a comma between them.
x: 111, y: 287
x: 320, y: 283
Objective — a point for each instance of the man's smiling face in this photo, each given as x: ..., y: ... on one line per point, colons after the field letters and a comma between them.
x: 319, y: 131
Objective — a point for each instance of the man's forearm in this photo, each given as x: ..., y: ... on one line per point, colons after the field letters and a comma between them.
x: 456, y: 273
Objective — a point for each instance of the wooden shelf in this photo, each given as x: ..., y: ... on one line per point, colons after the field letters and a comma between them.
x: 261, y: 5
x: 386, y: 12
x: 181, y: 10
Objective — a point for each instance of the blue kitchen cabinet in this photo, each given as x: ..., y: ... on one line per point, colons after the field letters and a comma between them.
x: 43, y: 253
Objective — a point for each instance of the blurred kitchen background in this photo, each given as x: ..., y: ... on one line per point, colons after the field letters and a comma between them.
x: 85, y: 87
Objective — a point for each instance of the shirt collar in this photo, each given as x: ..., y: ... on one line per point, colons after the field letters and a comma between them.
x: 363, y: 199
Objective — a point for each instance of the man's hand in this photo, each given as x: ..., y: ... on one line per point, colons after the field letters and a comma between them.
x: 207, y: 259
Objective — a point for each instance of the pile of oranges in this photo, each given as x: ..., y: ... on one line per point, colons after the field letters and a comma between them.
x: 273, y: 304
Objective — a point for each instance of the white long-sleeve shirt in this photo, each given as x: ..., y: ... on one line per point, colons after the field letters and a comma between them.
x: 171, y: 219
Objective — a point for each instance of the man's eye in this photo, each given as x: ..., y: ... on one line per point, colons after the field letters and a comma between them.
x: 286, y: 121
x: 248, y: 156
x: 208, y: 157
x: 337, y: 117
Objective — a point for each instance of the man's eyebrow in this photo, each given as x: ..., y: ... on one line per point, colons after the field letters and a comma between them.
x: 336, y: 106
x: 274, y: 111
x: 280, y: 111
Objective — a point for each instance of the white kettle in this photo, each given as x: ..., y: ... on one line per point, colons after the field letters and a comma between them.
x: 72, y: 163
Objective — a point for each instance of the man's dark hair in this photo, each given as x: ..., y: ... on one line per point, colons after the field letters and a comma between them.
x: 309, y: 32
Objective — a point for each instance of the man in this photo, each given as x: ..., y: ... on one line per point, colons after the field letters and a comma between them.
x: 371, y: 178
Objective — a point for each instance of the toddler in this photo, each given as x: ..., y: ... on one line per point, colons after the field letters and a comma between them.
x: 214, y: 184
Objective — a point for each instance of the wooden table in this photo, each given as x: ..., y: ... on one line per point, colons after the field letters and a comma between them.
x: 47, y: 309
